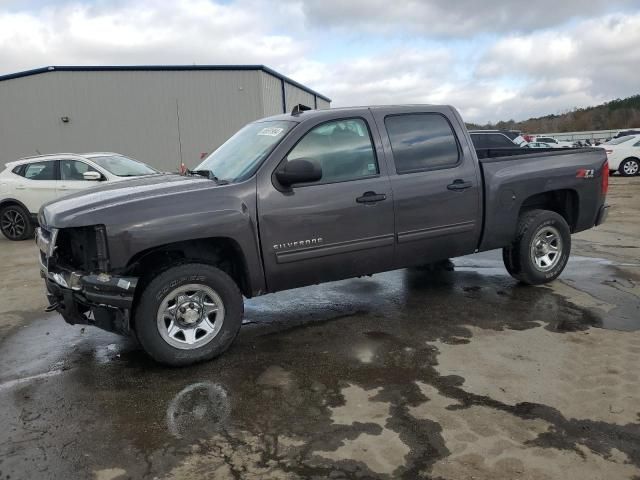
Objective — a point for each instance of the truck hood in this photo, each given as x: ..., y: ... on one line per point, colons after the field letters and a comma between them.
x: 87, y: 207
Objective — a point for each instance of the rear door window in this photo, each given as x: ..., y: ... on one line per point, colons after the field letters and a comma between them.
x: 40, y: 171
x: 422, y: 141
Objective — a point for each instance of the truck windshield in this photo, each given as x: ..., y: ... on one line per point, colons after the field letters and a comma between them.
x: 236, y: 159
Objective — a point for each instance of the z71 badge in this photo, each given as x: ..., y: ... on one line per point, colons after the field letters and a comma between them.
x: 585, y: 173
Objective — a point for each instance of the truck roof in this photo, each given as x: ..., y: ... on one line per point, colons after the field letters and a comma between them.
x: 301, y: 116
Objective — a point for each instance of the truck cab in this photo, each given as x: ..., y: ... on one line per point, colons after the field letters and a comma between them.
x: 372, y: 209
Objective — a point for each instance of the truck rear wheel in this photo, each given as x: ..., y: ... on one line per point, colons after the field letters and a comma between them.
x: 541, y: 249
x: 188, y: 314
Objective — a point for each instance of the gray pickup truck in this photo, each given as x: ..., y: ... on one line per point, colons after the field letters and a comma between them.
x: 301, y: 199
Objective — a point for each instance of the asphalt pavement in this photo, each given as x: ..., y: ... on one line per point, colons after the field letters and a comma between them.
x: 407, y: 374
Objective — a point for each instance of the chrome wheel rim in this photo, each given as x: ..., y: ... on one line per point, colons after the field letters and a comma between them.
x: 630, y: 167
x: 190, y: 316
x: 13, y: 223
x: 546, y: 249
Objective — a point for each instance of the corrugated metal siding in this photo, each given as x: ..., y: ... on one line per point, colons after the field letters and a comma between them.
x: 296, y: 95
x: 271, y: 94
x: 135, y: 113
x: 323, y: 104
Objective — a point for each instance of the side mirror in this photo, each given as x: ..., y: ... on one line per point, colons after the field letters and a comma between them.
x: 92, y: 176
x: 301, y: 170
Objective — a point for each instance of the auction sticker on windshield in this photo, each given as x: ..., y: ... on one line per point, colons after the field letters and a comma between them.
x: 271, y: 131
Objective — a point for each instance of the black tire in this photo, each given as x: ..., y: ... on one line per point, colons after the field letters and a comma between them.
x: 156, y: 292
x: 630, y: 167
x: 519, y: 256
x: 510, y: 262
x: 16, y: 223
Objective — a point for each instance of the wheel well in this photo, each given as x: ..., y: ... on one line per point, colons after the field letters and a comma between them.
x: 223, y: 253
x: 10, y: 201
x: 563, y: 202
x: 631, y: 158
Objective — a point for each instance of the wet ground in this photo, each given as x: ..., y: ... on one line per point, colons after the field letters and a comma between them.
x: 408, y: 374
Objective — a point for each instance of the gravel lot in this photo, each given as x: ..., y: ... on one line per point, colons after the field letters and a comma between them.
x: 408, y: 374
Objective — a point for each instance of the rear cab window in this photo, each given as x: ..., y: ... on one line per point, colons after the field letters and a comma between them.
x: 422, y: 142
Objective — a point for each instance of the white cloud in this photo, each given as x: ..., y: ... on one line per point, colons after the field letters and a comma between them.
x: 527, y: 71
x: 142, y: 31
x: 451, y: 18
x: 593, y: 61
x: 390, y: 76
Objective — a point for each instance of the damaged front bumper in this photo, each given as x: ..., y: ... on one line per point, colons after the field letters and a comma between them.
x: 102, y: 299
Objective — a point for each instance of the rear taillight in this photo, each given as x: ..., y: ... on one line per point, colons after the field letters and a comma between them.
x: 605, y: 179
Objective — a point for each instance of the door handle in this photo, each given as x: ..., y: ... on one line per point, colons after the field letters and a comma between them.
x: 459, y: 185
x: 20, y: 187
x: 371, y: 197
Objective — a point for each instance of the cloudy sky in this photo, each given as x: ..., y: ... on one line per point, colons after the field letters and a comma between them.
x: 493, y: 59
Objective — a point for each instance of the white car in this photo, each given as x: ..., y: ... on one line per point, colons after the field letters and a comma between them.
x: 537, y: 145
x: 553, y: 143
x: 623, y: 154
x: 27, y: 184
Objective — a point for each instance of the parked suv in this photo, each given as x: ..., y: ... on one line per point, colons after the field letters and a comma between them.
x: 27, y: 184
x: 302, y: 199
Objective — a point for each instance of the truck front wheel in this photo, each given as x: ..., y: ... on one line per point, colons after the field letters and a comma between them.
x: 188, y: 314
x: 541, y: 249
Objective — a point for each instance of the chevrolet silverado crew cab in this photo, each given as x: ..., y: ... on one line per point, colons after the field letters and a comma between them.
x: 305, y: 198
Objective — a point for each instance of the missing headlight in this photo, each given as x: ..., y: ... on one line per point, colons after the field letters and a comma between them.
x: 83, y: 248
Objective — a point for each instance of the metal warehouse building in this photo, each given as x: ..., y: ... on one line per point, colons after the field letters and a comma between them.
x: 161, y: 115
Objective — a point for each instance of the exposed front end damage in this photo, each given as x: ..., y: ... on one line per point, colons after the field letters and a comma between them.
x: 75, y: 265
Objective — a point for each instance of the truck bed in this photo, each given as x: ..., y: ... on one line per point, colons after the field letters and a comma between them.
x: 513, y: 179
